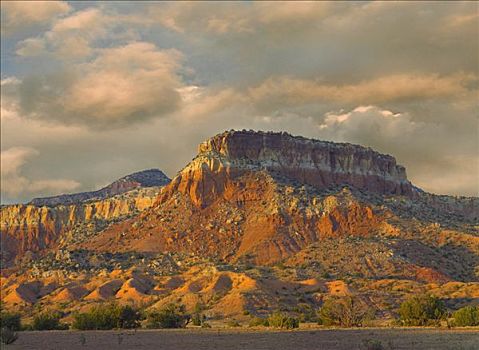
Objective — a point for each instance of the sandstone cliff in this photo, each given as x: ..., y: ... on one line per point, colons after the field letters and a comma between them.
x: 42, y: 224
x: 266, y: 196
x: 317, y: 163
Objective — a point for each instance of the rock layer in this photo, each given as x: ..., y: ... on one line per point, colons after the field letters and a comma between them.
x: 317, y: 163
x: 29, y: 228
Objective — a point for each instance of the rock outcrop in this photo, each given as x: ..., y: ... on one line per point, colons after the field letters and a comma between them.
x: 145, y: 178
x: 34, y: 227
x: 312, y: 162
x: 266, y: 196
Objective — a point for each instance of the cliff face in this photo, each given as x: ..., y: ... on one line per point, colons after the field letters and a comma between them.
x: 312, y: 162
x: 145, y: 178
x: 30, y: 228
x: 267, y: 196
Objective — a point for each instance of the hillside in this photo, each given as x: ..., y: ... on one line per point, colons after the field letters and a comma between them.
x: 263, y: 221
x: 30, y: 229
x: 145, y: 178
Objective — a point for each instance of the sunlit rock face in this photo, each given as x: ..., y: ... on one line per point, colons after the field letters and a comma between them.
x: 312, y: 162
x: 42, y: 223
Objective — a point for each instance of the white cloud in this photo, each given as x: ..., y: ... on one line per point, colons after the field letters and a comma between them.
x: 20, y: 15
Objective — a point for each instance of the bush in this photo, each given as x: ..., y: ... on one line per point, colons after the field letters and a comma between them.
x: 171, y: 316
x: 423, y: 310
x: 198, y: 318
x: 466, y: 316
x: 107, y: 316
x: 7, y: 336
x: 258, y: 321
x: 10, y: 321
x: 344, y: 312
x: 47, y: 322
x: 279, y: 320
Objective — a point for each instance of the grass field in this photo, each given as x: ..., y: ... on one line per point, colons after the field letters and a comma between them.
x: 335, y: 339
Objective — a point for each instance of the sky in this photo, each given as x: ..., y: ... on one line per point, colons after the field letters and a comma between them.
x: 92, y: 91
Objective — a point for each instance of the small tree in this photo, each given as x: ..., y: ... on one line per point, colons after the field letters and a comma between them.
x: 466, y: 316
x: 346, y: 312
x: 422, y: 310
x: 171, y: 316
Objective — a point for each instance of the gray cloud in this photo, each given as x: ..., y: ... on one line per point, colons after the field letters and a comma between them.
x: 132, y: 86
x: 120, y: 86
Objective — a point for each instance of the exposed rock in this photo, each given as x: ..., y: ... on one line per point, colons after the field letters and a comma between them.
x: 145, y: 178
x: 30, y: 228
x: 321, y: 164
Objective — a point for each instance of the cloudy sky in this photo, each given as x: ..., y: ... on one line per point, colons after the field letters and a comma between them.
x: 94, y: 91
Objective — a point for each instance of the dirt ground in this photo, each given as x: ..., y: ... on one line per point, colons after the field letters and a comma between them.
x: 351, y: 339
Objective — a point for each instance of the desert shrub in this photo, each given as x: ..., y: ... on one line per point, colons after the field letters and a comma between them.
x: 279, y: 320
x: 129, y: 317
x: 47, y: 321
x: 258, y: 321
x: 107, y: 316
x: 422, y: 310
x: 198, y: 318
x: 171, y: 316
x: 345, y: 312
x: 7, y: 336
x: 10, y: 320
x: 466, y: 316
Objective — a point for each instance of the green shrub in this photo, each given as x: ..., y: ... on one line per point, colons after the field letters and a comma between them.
x: 47, y: 321
x: 466, y: 316
x: 422, y: 310
x: 7, y: 336
x: 107, y: 316
x: 10, y: 320
x: 345, y: 312
x: 171, y: 316
x: 279, y: 320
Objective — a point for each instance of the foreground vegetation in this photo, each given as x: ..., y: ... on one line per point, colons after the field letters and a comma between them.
x: 422, y: 310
